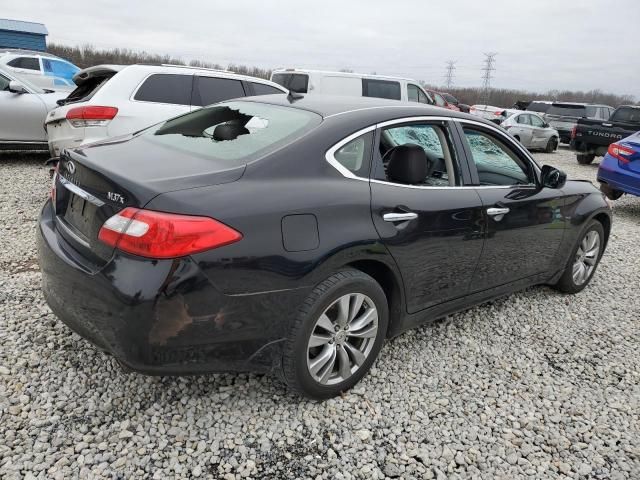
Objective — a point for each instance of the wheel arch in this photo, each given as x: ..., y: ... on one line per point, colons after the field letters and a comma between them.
x: 605, y: 221
x: 391, y: 284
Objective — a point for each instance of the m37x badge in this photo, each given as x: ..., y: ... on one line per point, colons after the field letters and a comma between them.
x: 115, y: 197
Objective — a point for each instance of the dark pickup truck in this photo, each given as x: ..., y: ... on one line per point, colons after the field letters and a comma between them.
x: 591, y: 138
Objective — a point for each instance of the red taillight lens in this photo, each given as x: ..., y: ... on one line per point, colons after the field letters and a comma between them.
x: 573, y: 132
x: 91, y: 116
x: 164, y: 235
x: 620, y: 152
x: 498, y: 113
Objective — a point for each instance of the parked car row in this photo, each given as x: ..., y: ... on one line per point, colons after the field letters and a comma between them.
x: 39, y: 68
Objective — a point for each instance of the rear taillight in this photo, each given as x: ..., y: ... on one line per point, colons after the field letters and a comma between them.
x: 573, y: 132
x: 91, y: 116
x: 498, y: 113
x: 164, y: 235
x: 620, y: 152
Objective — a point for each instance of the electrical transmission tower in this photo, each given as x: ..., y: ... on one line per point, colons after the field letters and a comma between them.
x: 448, y: 76
x: 486, y: 77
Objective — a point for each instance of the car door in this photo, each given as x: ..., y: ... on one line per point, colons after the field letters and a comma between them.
x: 433, y: 229
x: 523, y: 130
x: 540, y: 134
x: 524, y: 222
x: 22, y: 116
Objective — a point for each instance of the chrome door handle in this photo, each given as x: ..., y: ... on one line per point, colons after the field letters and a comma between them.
x: 399, y: 217
x: 497, y: 213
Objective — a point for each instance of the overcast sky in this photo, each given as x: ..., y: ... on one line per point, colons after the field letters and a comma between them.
x: 541, y: 44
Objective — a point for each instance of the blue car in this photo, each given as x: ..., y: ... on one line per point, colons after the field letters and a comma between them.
x: 619, y: 171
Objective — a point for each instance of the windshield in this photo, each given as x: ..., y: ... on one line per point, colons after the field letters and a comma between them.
x: 235, y: 132
x: 567, y: 110
x: 626, y: 114
x: 450, y: 98
x: 538, y: 107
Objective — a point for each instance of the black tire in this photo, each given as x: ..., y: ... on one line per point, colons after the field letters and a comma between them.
x: 566, y: 284
x: 610, y: 193
x: 585, y: 158
x: 552, y: 145
x: 295, y: 372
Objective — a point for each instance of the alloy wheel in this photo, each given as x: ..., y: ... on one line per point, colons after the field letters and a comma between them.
x: 342, y: 338
x: 586, y: 257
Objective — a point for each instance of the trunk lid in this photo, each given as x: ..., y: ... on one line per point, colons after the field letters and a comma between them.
x: 95, y: 183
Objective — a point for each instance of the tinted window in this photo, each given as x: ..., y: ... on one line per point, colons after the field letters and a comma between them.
x: 496, y: 163
x: 381, y: 89
x: 538, y: 107
x: 569, y: 110
x: 536, y: 121
x: 165, y: 88
x: 626, y: 114
x: 232, y: 133
x: 412, y: 93
x: 262, y: 89
x: 296, y: 82
x: 29, y: 63
x: 356, y: 155
x: 434, y: 141
x: 209, y: 90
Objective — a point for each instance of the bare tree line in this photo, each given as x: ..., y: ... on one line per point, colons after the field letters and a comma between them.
x: 87, y: 56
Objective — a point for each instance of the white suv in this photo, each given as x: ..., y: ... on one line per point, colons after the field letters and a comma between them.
x: 112, y: 100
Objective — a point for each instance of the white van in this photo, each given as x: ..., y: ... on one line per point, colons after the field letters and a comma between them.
x: 351, y: 84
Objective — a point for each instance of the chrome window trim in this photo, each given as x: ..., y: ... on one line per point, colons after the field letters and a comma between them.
x: 329, y: 156
x: 73, y: 188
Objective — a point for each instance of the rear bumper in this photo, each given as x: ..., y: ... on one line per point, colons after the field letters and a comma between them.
x: 160, y: 317
x: 618, y: 178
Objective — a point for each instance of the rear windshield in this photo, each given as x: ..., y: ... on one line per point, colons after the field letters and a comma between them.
x: 626, y: 114
x: 233, y: 132
x: 538, y: 107
x: 86, y: 90
x: 295, y: 82
x: 572, y: 110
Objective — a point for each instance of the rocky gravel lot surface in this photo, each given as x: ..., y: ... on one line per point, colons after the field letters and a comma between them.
x: 537, y: 385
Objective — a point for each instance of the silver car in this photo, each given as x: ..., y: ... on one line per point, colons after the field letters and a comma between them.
x: 532, y: 131
x: 23, y: 109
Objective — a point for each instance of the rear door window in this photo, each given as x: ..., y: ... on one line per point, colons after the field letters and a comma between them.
x: 209, y: 90
x: 626, y: 114
x: 28, y: 63
x: 523, y: 120
x: 262, y: 89
x: 166, y: 88
x: 381, y: 89
x: 295, y: 82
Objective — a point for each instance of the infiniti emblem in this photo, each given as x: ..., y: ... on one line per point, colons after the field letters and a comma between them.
x: 71, y: 168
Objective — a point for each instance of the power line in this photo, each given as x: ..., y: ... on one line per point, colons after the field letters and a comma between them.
x: 486, y: 77
x: 448, y: 76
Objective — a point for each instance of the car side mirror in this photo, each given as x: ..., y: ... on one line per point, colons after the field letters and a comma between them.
x: 552, y: 177
x: 16, y: 87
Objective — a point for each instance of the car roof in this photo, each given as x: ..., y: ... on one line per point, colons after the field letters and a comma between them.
x: 342, y: 74
x: 380, y: 109
x: 20, y: 51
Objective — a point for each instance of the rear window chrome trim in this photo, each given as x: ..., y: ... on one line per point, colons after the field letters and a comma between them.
x: 73, y: 188
x: 329, y: 156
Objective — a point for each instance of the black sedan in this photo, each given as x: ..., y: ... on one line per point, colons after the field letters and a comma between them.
x: 294, y: 235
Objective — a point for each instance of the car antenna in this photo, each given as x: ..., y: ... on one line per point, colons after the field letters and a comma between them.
x: 293, y: 96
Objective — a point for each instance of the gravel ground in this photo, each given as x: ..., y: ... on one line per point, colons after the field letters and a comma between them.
x: 537, y: 385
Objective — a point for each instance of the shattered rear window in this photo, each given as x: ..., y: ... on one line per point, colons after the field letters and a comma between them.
x: 233, y: 132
